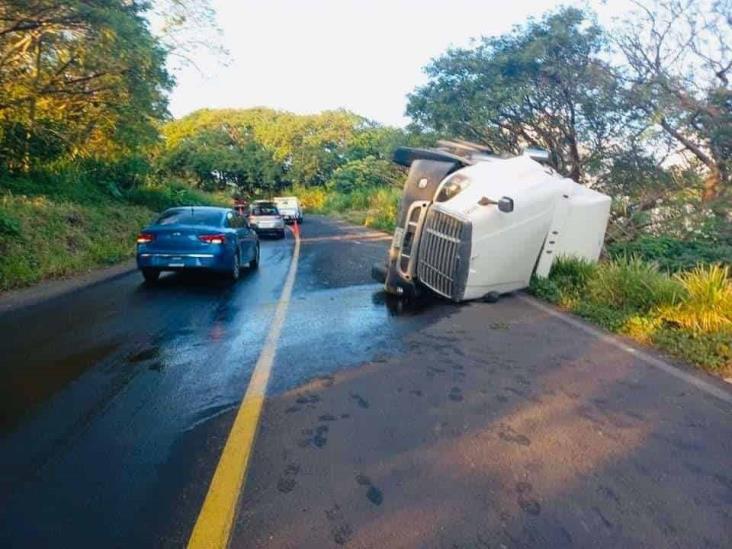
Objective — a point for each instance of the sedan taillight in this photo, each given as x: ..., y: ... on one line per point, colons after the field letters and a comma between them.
x: 212, y: 238
x: 145, y: 238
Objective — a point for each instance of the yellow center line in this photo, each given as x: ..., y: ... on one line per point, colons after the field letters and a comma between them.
x: 216, y: 519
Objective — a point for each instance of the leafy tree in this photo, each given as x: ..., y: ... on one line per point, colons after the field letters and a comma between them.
x: 307, y: 147
x: 77, y: 78
x: 364, y: 173
x: 678, y: 60
x: 217, y: 158
x: 542, y: 85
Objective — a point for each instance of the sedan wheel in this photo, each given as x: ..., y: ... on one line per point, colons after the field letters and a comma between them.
x: 254, y: 263
x: 150, y: 275
x: 236, y: 269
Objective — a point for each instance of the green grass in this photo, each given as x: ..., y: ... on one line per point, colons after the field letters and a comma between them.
x: 57, y: 228
x: 688, y: 315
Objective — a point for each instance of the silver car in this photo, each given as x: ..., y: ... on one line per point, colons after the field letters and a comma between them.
x: 265, y: 219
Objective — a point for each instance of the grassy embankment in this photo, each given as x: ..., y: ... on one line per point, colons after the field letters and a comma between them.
x: 62, y: 226
x: 687, y: 314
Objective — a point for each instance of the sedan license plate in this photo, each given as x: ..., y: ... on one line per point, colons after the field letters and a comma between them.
x: 176, y: 262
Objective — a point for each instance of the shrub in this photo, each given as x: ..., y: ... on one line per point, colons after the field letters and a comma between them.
x: 689, y: 315
x: 571, y: 272
x: 383, y: 205
x: 312, y: 199
x: 673, y: 254
x: 161, y: 197
x: 632, y: 284
x: 707, y: 302
x: 9, y: 226
x: 369, y: 172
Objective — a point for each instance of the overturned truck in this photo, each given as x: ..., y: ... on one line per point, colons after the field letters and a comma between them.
x: 472, y: 225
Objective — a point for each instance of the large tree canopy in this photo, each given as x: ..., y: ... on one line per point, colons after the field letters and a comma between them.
x: 77, y: 77
x: 288, y: 148
x: 542, y: 85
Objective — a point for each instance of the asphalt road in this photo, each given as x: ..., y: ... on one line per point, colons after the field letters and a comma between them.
x: 433, y: 425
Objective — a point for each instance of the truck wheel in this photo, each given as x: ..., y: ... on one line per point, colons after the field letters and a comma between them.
x: 150, y: 275
x: 378, y: 272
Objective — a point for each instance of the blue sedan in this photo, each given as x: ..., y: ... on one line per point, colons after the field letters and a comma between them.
x: 193, y: 238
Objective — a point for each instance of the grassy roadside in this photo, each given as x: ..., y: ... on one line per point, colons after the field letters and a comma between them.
x: 688, y: 315
x: 50, y: 233
x: 370, y: 207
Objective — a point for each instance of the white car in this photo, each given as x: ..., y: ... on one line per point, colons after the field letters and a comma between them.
x: 289, y: 207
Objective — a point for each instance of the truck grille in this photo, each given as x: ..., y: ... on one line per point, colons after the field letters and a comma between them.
x: 444, y: 251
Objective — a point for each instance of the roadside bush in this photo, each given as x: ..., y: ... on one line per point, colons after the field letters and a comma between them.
x: 369, y: 172
x: 9, y: 225
x: 312, y: 199
x: 370, y: 206
x: 383, y: 205
x: 689, y: 315
x: 707, y: 302
x: 631, y: 284
x: 161, y: 197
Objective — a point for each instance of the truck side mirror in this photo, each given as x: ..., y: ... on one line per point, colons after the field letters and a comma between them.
x: 505, y: 204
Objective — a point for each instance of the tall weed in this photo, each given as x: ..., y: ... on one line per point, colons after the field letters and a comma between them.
x: 631, y: 284
x: 707, y: 302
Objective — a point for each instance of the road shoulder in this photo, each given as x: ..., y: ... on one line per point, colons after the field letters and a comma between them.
x: 51, y: 289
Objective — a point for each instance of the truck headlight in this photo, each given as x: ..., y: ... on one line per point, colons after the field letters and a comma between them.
x: 452, y: 186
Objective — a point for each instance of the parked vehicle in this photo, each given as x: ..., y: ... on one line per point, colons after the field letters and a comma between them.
x: 265, y: 218
x: 193, y: 238
x: 473, y: 225
x: 289, y: 207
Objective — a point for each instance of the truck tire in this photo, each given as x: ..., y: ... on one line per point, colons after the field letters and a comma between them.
x: 378, y: 272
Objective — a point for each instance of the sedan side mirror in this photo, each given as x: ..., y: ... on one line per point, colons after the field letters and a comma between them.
x: 505, y: 204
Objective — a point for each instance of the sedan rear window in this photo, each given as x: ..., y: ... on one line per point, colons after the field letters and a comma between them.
x: 190, y: 217
x: 264, y: 210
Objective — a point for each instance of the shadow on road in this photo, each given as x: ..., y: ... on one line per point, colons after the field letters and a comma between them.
x: 501, y: 426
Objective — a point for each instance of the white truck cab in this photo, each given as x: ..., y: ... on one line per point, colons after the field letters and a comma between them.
x: 476, y: 226
x: 289, y: 207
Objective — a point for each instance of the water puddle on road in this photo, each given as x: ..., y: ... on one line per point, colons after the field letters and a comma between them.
x: 332, y: 329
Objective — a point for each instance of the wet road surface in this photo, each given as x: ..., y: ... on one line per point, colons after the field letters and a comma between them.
x: 478, y: 425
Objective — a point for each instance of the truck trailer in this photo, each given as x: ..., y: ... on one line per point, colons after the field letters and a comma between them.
x: 474, y: 225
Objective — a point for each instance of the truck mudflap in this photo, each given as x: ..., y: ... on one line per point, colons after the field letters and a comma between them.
x: 426, y: 172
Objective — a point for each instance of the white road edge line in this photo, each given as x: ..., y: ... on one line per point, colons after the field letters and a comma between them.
x: 645, y: 357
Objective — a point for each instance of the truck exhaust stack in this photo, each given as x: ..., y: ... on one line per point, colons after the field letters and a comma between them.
x: 473, y: 225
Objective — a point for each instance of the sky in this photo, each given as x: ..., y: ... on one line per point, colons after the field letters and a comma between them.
x: 365, y: 56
